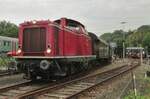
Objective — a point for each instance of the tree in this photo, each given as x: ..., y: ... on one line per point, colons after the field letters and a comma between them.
x: 107, y: 37
x: 146, y: 42
x: 132, y: 38
x: 8, y: 29
x: 116, y: 36
x: 144, y: 28
x: 140, y: 36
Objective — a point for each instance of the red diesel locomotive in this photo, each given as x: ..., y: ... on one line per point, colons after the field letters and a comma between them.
x: 53, y: 48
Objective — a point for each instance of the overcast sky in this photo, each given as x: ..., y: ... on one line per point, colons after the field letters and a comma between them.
x: 98, y: 16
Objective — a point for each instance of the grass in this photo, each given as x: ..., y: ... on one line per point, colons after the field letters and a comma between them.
x: 143, y: 90
x: 132, y: 96
x: 5, y: 61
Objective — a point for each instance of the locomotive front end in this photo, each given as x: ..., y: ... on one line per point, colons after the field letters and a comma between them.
x: 34, y: 39
x: 34, y: 46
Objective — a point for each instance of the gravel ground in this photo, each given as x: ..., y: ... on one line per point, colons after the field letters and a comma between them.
x: 142, y: 84
x: 113, y: 89
x: 108, y: 90
x: 12, y: 79
x: 115, y: 64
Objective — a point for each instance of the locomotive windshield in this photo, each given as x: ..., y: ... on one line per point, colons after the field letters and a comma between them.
x: 34, y: 39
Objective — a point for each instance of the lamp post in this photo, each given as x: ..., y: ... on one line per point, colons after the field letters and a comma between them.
x: 123, y: 43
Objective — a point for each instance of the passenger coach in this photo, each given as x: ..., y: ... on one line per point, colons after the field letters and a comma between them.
x: 8, y: 44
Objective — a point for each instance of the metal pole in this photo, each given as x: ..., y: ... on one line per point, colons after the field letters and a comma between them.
x: 147, y: 55
x: 123, y: 50
x: 141, y: 54
x: 148, y: 61
x: 133, y: 82
x: 134, y: 85
x: 123, y: 44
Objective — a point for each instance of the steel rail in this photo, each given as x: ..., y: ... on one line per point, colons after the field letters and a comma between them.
x: 12, y: 86
x: 8, y: 73
x: 4, y: 74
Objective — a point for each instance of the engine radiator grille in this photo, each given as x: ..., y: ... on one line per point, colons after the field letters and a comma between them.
x: 34, y: 39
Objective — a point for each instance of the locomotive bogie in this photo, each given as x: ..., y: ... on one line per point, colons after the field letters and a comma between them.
x: 48, y: 68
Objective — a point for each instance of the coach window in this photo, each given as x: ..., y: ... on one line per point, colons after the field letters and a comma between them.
x: 8, y: 43
x: 5, y: 43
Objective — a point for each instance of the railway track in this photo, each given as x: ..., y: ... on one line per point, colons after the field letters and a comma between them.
x: 11, y: 91
x: 73, y: 88
x: 65, y: 88
x: 4, y: 74
x: 6, y: 91
x: 7, y: 73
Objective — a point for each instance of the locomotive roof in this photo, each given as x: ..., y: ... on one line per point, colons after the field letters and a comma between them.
x: 71, y: 21
x: 8, y: 38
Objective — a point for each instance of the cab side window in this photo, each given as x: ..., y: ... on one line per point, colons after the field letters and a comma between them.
x: 73, y: 26
x: 83, y: 30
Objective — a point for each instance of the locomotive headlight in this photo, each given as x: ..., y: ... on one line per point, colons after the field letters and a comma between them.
x: 19, y: 51
x: 34, y: 21
x: 48, y: 50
